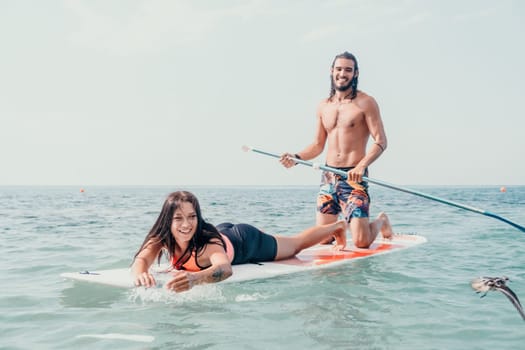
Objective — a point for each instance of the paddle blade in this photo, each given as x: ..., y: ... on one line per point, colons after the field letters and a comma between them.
x: 246, y: 148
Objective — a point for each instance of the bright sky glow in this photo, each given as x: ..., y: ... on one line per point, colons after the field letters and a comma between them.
x: 166, y: 92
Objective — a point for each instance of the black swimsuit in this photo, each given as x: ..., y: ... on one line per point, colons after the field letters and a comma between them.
x: 249, y: 243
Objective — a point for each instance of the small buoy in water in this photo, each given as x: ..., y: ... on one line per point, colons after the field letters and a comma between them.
x: 81, y: 190
x: 503, y: 189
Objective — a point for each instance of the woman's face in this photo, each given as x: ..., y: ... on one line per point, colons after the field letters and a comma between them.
x: 184, y: 223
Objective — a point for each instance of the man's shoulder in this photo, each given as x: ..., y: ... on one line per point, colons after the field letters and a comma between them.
x: 364, y: 99
x: 325, y: 101
x: 361, y: 95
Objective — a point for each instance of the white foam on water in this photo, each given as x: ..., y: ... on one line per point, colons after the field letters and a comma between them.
x: 198, y: 293
x: 120, y: 336
x: 250, y: 297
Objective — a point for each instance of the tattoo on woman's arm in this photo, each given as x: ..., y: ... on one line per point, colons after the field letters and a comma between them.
x: 218, y: 275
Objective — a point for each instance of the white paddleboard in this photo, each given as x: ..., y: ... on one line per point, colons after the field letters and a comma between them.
x: 319, y: 256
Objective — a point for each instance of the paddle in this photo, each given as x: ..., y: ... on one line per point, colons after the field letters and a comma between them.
x: 394, y: 187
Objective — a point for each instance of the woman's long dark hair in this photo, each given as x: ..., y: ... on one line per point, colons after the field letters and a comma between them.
x: 353, y: 83
x: 161, y: 234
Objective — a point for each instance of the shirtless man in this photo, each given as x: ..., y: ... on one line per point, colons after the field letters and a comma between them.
x: 346, y: 120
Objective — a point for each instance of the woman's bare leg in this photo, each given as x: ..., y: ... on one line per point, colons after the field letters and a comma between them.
x: 288, y: 246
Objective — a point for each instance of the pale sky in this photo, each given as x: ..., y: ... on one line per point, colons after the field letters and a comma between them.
x: 131, y: 92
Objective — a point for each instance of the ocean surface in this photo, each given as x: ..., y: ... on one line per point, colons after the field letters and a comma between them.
x: 418, y: 298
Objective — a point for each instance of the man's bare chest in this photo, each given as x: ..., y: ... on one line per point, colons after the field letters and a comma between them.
x: 344, y: 115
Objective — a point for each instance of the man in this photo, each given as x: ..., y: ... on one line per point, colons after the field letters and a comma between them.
x: 345, y: 121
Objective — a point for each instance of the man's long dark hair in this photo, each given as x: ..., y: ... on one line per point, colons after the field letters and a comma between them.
x: 160, y: 233
x: 353, y: 83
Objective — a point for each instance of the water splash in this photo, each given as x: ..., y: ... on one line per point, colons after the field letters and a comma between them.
x: 161, y: 295
x: 250, y: 297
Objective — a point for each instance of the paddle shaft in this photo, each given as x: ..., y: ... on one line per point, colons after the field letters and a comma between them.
x: 394, y: 187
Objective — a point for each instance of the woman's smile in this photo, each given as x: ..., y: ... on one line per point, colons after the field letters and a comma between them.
x: 184, y: 223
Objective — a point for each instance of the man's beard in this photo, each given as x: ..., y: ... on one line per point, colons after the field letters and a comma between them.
x: 343, y: 88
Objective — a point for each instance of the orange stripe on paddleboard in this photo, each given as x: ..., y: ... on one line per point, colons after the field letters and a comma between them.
x: 326, y: 256
x: 321, y: 259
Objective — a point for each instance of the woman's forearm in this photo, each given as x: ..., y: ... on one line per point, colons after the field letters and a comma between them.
x: 214, y: 274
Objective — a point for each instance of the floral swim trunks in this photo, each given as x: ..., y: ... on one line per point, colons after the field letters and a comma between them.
x: 335, y: 193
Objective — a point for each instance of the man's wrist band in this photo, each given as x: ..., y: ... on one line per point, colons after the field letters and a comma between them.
x: 297, y: 157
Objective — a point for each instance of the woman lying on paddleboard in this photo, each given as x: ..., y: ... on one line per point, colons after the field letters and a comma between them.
x: 204, y: 253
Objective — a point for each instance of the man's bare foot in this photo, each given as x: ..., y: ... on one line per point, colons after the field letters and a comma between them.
x: 386, y: 228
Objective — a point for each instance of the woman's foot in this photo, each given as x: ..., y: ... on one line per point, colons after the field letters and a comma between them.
x: 340, y: 235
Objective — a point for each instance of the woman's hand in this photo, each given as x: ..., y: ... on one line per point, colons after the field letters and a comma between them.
x: 142, y: 263
x: 181, y: 282
x: 145, y: 279
x: 219, y: 270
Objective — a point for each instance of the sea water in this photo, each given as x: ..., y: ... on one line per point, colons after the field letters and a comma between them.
x: 418, y: 298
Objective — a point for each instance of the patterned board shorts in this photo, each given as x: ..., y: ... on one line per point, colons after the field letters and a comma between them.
x: 337, y: 196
